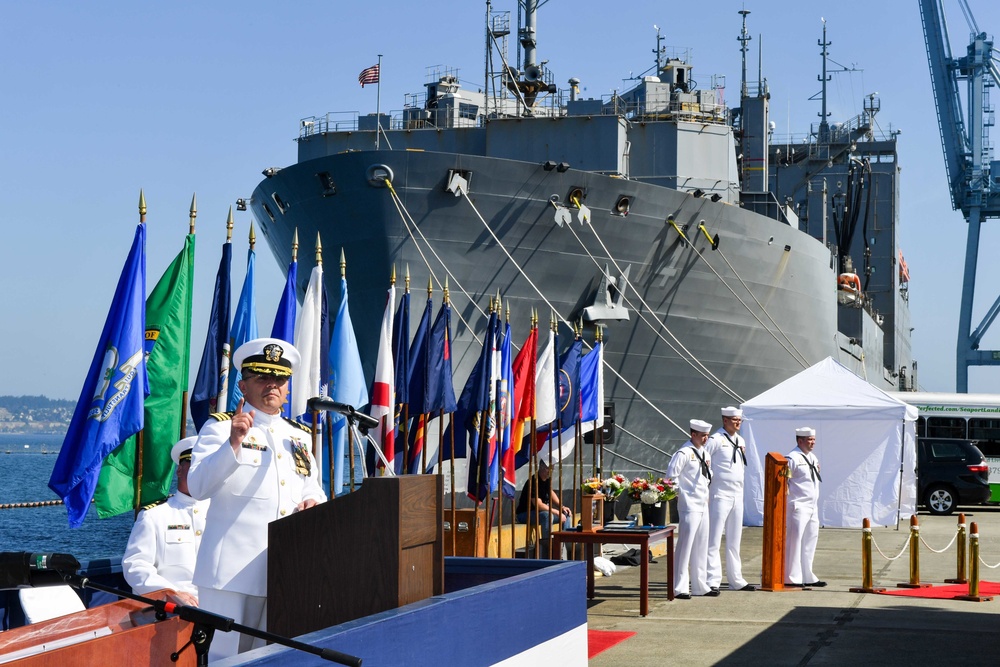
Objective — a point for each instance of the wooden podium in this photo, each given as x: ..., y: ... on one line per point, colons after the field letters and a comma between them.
x: 775, y: 494
x: 121, y: 633
x: 376, y: 549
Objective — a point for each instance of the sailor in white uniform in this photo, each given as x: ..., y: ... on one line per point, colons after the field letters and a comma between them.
x: 164, y: 542
x: 725, y: 505
x: 802, y: 516
x: 690, y: 468
x: 256, y: 467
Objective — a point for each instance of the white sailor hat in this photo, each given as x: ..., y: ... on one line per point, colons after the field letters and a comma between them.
x: 181, y: 451
x: 805, y: 432
x: 267, y: 356
x: 700, y: 426
x: 732, y: 412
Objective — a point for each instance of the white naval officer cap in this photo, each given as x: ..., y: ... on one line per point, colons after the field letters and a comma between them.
x: 181, y: 451
x: 732, y: 412
x: 805, y: 432
x: 700, y: 426
x: 267, y: 356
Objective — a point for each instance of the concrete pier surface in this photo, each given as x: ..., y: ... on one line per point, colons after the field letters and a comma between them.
x: 822, y: 626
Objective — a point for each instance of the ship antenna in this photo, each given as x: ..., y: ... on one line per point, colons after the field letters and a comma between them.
x: 295, y: 245
x: 142, y: 207
x: 824, y: 127
x: 229, y: 225
x: 193, y: 211
x: 319, y: 252
x: 743, y: 39
x: 253, y: 236
x: 659, y: 49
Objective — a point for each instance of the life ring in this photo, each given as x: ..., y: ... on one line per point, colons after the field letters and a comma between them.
x: 849, y: 282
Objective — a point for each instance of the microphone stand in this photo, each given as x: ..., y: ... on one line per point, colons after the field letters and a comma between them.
x: 206, y: 623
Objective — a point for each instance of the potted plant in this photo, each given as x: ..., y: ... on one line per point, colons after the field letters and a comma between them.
x: 655, y: 494
x: 612, y: 488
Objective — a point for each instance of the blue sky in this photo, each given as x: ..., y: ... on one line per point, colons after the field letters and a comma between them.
x: 104, y: 98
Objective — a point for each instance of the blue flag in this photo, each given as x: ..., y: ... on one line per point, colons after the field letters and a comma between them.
x: 347, y: 382
x: 568, y: 389
x: 110, y: 407
x: 482, y: 438
x: 244, y: 327
x: 590, y: 385
x: 401, y: 362
x: 211, y: 384
x: 284, y: 322
x: 440, y: 388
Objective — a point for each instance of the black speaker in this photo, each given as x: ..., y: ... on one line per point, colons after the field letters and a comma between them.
x: 607, y: 428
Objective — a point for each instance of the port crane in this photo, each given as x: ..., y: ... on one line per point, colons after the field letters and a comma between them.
x: 973, y: 176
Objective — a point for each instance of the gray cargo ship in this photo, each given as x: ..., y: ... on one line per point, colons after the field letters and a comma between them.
x: 717, y: 260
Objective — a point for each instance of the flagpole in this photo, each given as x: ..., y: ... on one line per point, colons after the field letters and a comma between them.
x: 138, y: 437
x: 454, y: 513
x: 184, y: 394
x: 378, y: 103
x: 329, y: 451
x: 404, y: 424
x: 423, y: 449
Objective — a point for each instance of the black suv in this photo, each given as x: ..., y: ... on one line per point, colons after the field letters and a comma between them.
x: 951, y: 472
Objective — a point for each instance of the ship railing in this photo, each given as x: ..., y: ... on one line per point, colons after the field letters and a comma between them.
x: 335, y: 121
x: 666, y: 110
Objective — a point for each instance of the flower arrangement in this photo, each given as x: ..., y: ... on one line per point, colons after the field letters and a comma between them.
x: 650, y: 490
x: 612, y: 487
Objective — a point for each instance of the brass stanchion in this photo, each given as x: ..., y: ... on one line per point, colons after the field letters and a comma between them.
x: 960, y: 577
x: 866, y: 560
x: 914, y: 581
x: 974, y: 595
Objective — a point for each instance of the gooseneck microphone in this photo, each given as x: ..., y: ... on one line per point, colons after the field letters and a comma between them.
x: 321, y: 404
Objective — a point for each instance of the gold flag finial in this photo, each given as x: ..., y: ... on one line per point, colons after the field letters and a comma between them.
x: 534, y: 318
x: 446, y: 289
x: 343, y: 263
x: 599, y: 332
x: 142, y: 206
x: 392, y: 278
x: 430, y: 287
x: 295, y: 245
x: 229, y: 226
x: 553, y: 322
x: 507, y: 320
x: 319, y: 250
x: 193, y: 212
x: 253, y: 236
x: 406, y: 279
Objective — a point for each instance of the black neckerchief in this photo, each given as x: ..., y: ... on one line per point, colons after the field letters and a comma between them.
x: 813, y: 470
x: 736, y: 448
x: 704, y: 466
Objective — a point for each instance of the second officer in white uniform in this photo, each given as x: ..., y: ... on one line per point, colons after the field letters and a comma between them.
x: 163, y: 545
x: 690, y: 468
x: 725, y: 505
x: 256, y: 467
x: 802, y: 517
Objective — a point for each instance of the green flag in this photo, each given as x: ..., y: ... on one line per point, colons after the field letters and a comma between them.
x: 168, y: 346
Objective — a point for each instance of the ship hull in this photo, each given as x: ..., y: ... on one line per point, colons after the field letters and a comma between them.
x: 706, y: 328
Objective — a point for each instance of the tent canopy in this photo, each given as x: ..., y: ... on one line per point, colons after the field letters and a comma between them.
x: 865, y: 443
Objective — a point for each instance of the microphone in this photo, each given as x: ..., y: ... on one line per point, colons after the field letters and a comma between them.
x: 23, y: 569
x: 325, y: 404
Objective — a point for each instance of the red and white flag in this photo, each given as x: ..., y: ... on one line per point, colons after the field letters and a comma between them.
x: 383, y: 399
x: 368, y: 75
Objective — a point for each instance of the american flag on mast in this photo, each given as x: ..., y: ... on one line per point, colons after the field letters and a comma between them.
x: 368, y: 75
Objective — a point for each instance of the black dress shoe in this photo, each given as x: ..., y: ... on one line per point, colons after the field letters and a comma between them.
x: 793, y: 585
x: 815, y: 584
x: 713, y: 593
x: 682, y: 596
x: 714, y: 588
x: 748, y: 587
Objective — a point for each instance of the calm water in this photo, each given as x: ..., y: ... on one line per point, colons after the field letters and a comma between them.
x: 24, y: 477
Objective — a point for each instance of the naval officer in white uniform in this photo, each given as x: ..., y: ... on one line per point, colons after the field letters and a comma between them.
x: 690, y: 468
x: 802, y: 516
x: 256, y: 467
x: 727, y: 450
x: 164, y: 542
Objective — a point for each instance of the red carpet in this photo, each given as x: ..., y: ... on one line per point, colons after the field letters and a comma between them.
x: 599, y: 641
x: 944, y: 592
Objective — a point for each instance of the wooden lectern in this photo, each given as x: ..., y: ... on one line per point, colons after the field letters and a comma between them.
x: 122, y: 633
x: 775, y: 494
x: 376, y: 549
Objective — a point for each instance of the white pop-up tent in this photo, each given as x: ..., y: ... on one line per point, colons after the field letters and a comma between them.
x: 865, y: 443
